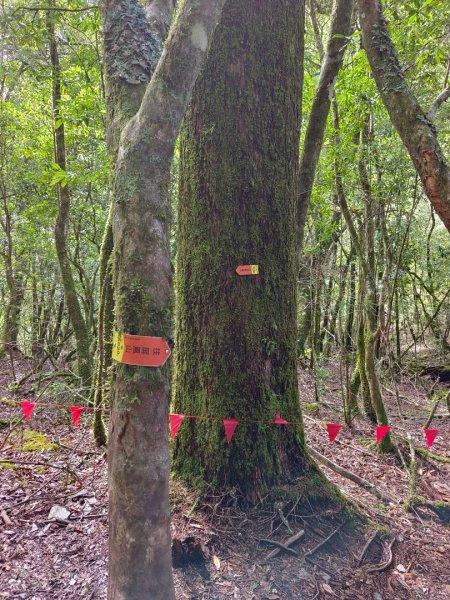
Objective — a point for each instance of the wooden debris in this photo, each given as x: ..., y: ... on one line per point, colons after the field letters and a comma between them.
x: 5, y: 517
x: 289, y: 542
x: 323, y: 542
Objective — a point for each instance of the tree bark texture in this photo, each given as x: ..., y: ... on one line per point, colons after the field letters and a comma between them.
x: 133, y: 42
x: 414, y: 128
x: 236, y: 336
x: 138, y: 457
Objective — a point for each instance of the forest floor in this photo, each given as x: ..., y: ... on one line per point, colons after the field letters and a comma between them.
x: 60, y: 553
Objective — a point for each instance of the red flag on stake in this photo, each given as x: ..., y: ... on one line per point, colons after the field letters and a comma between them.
x: 430, y: 434
x: 333, y: 430
x: 279, y: 421
x: 76, y: 413
x: 382, y: 430
x: 27, y: 408
x: 175, y: 422
x: 230, y: 427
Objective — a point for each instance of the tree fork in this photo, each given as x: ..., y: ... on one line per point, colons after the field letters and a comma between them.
x: 138, y: 457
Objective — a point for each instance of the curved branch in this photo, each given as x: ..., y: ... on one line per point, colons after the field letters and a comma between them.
x: 340, y: 30
x: 443, y: 96
x: 414, y: 128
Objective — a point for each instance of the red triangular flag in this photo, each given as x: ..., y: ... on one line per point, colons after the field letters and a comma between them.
x: 27, y: 408
x: 175, y: 422
x: 333, y: 430
x: 230, y: 427
x: 76, y: 413
x: 278, y: 420
x: 382, y: 430
x: 430, y: 434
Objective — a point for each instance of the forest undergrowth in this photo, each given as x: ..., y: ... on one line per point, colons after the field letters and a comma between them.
x: 53, y: 510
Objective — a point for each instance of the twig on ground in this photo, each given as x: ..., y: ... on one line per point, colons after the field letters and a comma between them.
x: 279, y: 545
x: 289, y: 542
x: 366, y: 547
x: 319, y: 566
x: 5, y: 517
x: 97, y: 516
x: 323, y: 542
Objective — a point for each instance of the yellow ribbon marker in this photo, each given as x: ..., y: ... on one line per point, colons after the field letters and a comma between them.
x: 118, y: 346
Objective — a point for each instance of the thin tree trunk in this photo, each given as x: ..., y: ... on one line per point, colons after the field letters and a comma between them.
x: 84, y: 359
x: 332, y: 61
x: 349, y: 344
x: 367, y: 262
x: 129, y: 31
x: 337, y: 305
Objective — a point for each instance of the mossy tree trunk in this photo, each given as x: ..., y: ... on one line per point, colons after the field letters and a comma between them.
x: 15, y: 284
x: 372, y: 325
x: 365, y: 249
x: 349, y: 340
x: 133, y: 42
x: 138, y: 454
x: 236, y: 336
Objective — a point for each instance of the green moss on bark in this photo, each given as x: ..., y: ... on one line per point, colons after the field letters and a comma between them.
x: 236, y: 336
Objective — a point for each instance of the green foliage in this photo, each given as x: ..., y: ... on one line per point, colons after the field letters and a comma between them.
x: 28, y: 173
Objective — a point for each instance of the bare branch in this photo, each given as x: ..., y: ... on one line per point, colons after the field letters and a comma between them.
x: 443, y: 96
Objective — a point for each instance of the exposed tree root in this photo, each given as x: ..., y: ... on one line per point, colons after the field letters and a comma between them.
x: 384, y: 565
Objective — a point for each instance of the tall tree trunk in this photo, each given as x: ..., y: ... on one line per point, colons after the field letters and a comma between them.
x: 236, y: 336
x: 348, y: 342
x: 414, y: 128
x: 14, y: 282
x: 138, y: 456
x: 84, y: 359
x: 372, y: 328
x: 337, y: 305
x: 324, y: 331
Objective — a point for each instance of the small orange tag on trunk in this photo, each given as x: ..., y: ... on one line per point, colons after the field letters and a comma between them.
x: 248, y: 270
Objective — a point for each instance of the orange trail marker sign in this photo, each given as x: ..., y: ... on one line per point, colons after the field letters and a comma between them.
x: 247, y: 270
x: 140, y: 350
